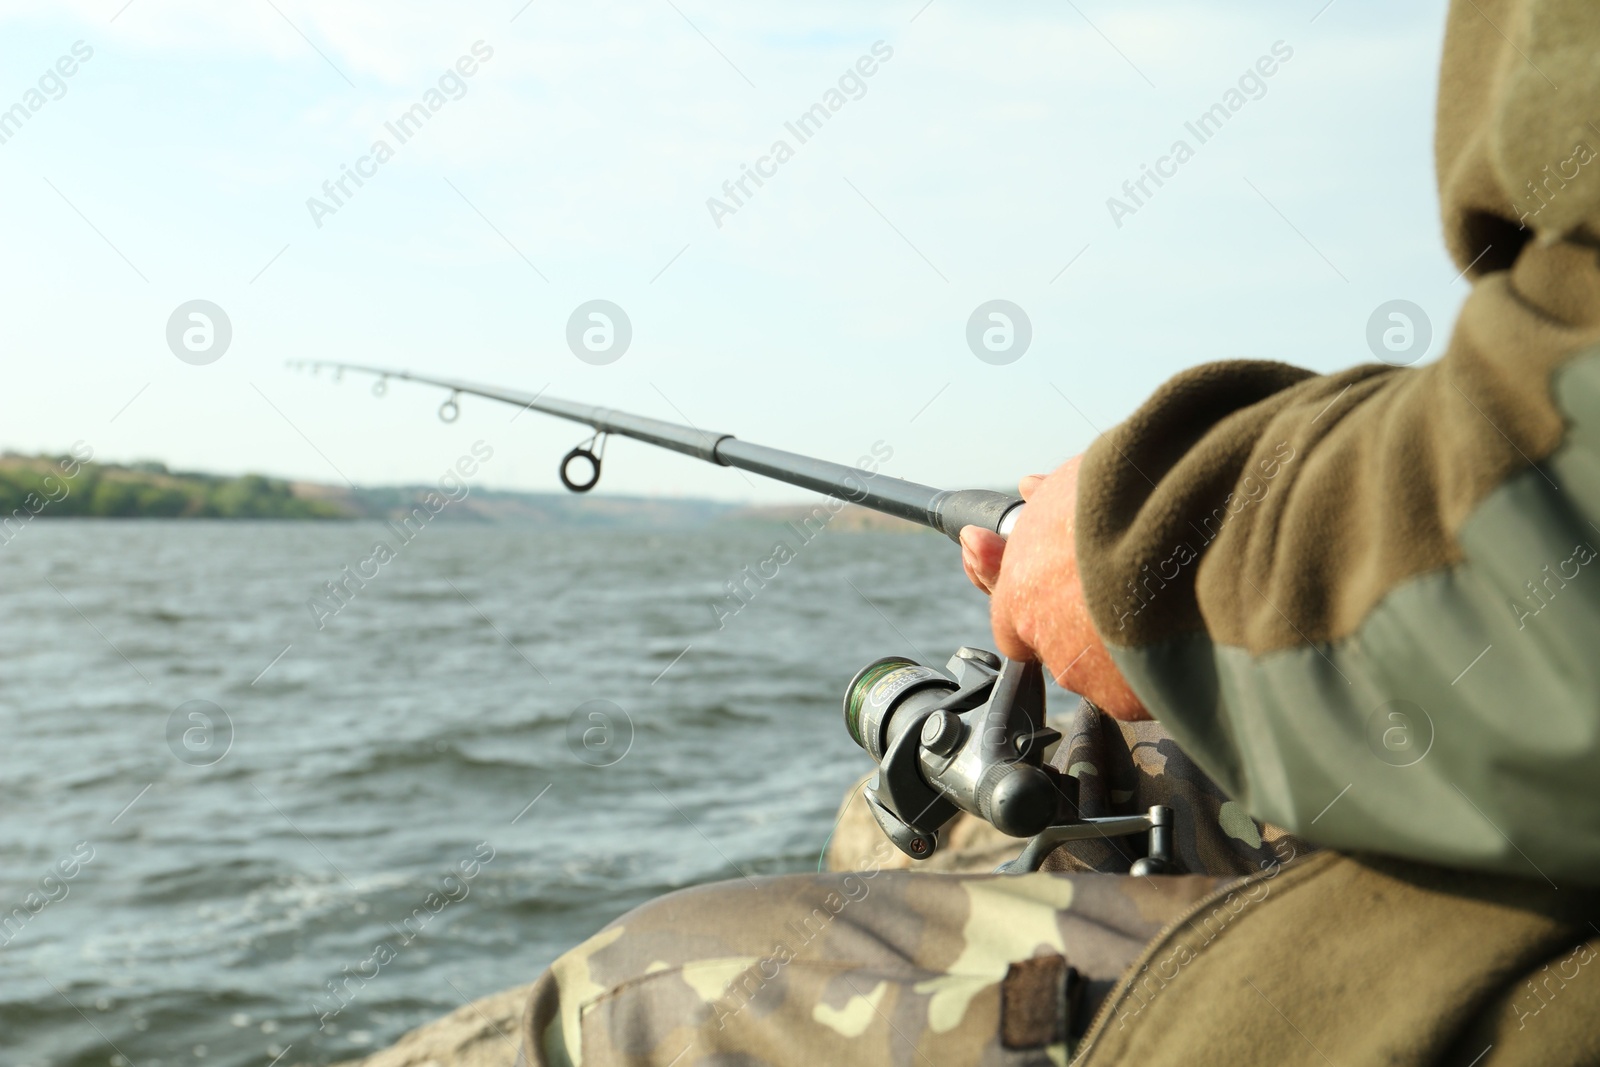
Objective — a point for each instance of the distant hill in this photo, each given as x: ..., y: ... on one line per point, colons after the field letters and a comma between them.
x: 42, y: 485
x: 150, y: 490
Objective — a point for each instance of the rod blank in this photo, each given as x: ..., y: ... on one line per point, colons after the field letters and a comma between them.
x: 947, y: 511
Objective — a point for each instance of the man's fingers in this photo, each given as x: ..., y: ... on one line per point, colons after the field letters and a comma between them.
x: 969, y: 563
x: 972, y: 571
x: 981, y: 553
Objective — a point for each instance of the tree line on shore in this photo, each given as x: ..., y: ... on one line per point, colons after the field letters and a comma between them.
x: 148, y: 490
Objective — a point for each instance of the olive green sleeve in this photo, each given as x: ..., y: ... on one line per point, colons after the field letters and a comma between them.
x: 1369, y: 603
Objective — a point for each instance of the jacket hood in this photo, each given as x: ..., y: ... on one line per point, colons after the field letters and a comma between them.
x: 1517, y: 147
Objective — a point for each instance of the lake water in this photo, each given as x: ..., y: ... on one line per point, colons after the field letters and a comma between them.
x: 215, y: 808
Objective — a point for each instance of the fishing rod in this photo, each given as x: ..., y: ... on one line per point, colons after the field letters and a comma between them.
x: 945, y: 510
x: 970, y: 737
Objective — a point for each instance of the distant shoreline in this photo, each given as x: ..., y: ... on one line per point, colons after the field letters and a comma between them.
x: 41, y: 487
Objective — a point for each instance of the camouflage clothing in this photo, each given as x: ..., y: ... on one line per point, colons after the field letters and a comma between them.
x: 871, y: 967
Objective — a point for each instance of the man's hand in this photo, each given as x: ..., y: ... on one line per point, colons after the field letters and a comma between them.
x: 1036, y: 601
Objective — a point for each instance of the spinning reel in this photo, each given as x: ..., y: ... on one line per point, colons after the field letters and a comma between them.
x: 972, y: 738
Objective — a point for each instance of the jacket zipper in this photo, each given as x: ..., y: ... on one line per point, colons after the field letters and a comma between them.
x: 1119, y: 992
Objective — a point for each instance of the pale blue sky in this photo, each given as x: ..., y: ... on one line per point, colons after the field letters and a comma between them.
x: 823, y: 316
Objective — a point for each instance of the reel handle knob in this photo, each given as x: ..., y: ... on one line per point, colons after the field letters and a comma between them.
x: 1018, y: 799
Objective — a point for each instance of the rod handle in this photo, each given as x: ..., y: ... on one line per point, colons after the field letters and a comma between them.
x: 952, y: 510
